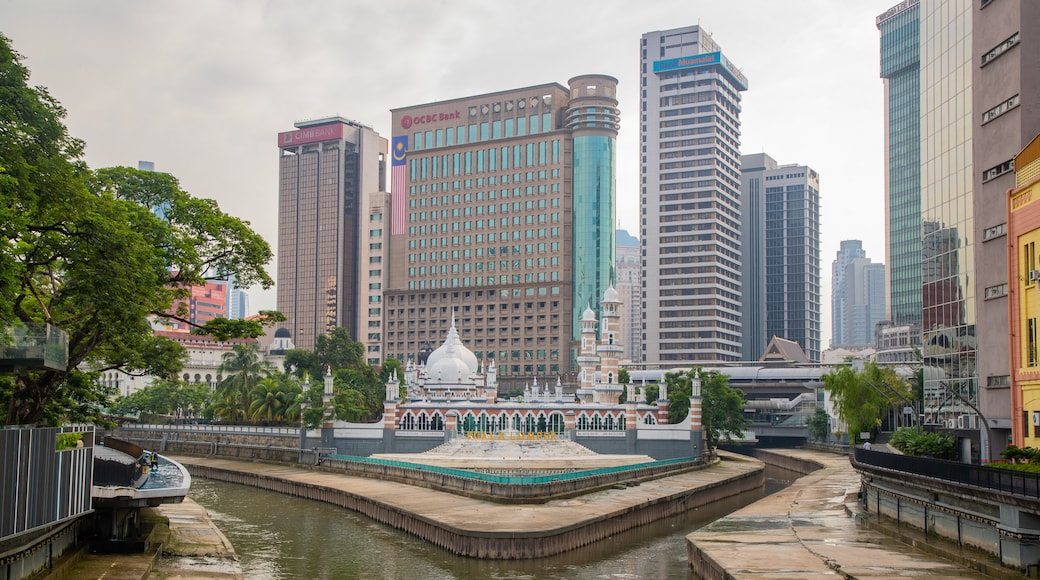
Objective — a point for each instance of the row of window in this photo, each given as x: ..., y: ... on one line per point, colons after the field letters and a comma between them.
x: 484, y: 160
x: 477, y: 132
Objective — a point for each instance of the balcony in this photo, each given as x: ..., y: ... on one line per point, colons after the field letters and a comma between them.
x: 33, y: 346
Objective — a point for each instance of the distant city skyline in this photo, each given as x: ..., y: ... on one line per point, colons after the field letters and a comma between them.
x: 184, y: 105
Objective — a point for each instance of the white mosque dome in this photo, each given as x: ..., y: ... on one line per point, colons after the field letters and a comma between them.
x: 450, y: 371
x: 588, y: 315
x: 452, y: 350
x: 611, y: 295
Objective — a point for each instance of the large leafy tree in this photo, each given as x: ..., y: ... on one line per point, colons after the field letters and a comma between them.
x: 722, y: 406
x: 96, y: 253
x: 862, y: 398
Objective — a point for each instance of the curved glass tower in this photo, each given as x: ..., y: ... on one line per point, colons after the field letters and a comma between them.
x: 593, y: 119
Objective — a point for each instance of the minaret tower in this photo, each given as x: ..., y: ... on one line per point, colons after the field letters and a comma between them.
x: 609, y: 349
x: 587, y: 359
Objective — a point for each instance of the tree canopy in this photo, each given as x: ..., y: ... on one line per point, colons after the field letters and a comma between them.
x: 862, y: 398
x: 722, y: 406
x: 95, y: 253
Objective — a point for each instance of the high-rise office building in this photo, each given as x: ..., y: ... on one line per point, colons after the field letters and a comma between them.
x: 947, y: 247
x: 503, y: 211
x: 849, y: 250
x: 629, y: 287
x: 901, y: 71
x: 690, y: 198
x: 1004, y: 96
x: 330, y: 244
x: 780, y: 270
x: 863, y: 301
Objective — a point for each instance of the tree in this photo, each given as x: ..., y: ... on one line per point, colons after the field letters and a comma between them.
x: 165, y: 397
x: 722, y: 406
x: 862, y: 398
x: 243, y: 369
x: 95, y: 254
x: 819, y: 424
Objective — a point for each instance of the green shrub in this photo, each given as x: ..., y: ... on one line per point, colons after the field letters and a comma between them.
x: 1021, y: 454
x: 67, y: 441
x: 915, y: 441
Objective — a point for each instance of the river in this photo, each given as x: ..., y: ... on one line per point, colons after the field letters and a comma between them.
x: 283, y: 537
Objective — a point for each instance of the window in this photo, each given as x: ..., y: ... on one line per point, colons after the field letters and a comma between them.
x: 1000, y: 109
x: 994, y: 232
x: 998, y: 170
x: 999, y: 49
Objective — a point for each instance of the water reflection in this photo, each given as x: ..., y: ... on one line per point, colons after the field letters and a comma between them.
x: 278, y: 536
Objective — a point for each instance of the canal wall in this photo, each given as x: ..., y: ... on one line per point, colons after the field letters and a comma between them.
x: 919, y: 509
x: 800, y: 464
x: 805, y: 531
x: 503, y: 532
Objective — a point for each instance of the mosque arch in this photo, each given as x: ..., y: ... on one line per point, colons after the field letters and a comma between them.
x: 556, y: 422
x: 408, y: 422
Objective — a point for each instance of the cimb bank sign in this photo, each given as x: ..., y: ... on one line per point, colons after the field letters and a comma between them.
x: 311, y: 135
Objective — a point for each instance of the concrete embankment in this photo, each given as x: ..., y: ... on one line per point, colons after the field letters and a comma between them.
x: 483, y: 529
x: 806, y: 531
x: 183, y: 543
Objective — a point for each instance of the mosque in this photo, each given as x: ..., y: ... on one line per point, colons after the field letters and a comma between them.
x: 453, y: 394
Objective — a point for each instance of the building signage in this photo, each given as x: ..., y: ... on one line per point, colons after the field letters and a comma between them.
x: 408, y: 121
x: 687, y: 61
x: 706, y: 59
x: 311, y: 135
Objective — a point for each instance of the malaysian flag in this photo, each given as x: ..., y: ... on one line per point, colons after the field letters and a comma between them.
x: 398, y: 183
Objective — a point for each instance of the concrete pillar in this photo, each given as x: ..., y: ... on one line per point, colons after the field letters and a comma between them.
x: 451, y: 423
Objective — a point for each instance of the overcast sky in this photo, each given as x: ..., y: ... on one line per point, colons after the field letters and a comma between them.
x: 202, y: 88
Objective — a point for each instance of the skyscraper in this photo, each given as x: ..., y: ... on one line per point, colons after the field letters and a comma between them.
x: 503, y: 211
x: 863, y: 301
x: 330, y: 256
x: 947, y: 246
x: 1006, y: 83
x: 630, y: 290
x: 780, y: 269
x: 690, y: 198
x: 849, y: 251
x: 901, y: 71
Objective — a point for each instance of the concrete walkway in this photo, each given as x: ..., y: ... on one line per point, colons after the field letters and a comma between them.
x: 196, y: 548
x: 192, y: 548
x: 805, y: 532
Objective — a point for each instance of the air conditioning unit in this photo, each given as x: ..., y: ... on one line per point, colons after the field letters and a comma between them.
x: 1036, y: 418
x: 961, y: 421
x: 951, y: 423
x: 1034, y: 275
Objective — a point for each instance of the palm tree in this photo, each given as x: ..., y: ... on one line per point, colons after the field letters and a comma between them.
x: 267, y: 401
x: 242, y: 368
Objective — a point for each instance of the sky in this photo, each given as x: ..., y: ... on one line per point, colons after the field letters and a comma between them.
x: 202, y: 88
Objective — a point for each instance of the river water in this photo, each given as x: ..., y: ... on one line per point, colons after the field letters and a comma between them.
x: 283, y: 537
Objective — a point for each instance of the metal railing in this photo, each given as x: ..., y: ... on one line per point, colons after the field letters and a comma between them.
x: 46, y: 479
x: 1026, y: 484
x: 245, y: 429
x: 510, y: 479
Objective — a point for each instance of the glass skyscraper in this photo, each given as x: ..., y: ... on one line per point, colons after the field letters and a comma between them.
x: 690, y: 198
x: 948, y: 251
x: 901, y: 71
